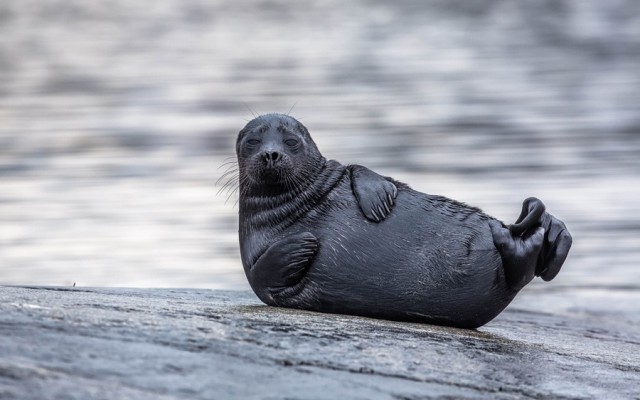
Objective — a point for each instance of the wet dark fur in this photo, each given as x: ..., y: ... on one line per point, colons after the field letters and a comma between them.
x: 431, y: 260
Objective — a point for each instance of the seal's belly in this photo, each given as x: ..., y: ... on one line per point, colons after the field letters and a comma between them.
x: 427, y: 260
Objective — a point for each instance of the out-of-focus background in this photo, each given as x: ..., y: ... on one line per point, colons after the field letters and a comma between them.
x: 115, y: 118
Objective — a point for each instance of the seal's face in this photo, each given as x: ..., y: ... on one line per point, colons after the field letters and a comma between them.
x: 276, y: 151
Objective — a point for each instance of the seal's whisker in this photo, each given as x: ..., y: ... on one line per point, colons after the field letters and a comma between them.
x: 229, y: 180
x: 227, y: 173
x: 231, y: 167
x: 229, y: 184
x: 250, y: 110
x: 235, y: 186
x: 229, y: 176
x: 232, y: 193
x: 228, y: 163
x: 291, y: 109
x: 244, y: 188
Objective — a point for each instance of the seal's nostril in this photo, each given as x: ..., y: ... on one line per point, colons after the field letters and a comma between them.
x: 271, y: 156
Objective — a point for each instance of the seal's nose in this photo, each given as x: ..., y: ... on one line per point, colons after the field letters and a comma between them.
x: 271, y: 157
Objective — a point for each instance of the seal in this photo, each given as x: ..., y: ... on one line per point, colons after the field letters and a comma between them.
x: 322, y: 236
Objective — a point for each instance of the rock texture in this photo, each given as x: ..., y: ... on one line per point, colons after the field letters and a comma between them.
x: 79, y: 343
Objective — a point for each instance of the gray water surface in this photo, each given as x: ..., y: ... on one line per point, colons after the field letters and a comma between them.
x: 115, y: 119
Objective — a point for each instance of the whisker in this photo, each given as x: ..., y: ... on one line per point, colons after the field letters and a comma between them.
x: 291, y: 109
x: 228, y: 163
x: 226, y: 175
x: 250, y: 110
x: 228, y: 185
x: 244, y: 188
x: 233, y: 192
x: 229, y: 171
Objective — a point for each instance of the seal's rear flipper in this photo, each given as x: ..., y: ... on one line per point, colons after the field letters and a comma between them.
x: 519, y: 255
x: 530, y: 216
x: 557, y: 242
x: 522, y: 246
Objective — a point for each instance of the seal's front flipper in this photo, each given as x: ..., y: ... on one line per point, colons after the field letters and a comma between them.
x: 283, y: 264
x: 375, y: 194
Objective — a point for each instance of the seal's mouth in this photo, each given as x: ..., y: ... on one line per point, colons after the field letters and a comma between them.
x: 271, y: 175
x: 268, y: 171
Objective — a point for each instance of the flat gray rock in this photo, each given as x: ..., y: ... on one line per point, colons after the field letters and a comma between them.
x: 79, y: 343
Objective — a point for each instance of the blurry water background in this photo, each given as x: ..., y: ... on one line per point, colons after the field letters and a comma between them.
x: 116, y: 116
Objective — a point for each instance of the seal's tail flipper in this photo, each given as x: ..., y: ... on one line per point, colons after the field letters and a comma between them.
x: 557, y: 240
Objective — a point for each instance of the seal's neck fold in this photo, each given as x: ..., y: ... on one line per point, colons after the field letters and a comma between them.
x: 286, y: 204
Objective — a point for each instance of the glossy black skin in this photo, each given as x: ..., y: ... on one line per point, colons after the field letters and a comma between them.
x: 321, y: 236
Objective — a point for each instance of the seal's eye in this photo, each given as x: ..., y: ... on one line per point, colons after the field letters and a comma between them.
x: 291, y: 142
x: 253, y: 142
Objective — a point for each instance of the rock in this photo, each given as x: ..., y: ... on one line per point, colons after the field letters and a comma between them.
x: 88, y: 343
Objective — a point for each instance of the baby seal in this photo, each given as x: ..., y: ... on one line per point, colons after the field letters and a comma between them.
x: 322, y: 236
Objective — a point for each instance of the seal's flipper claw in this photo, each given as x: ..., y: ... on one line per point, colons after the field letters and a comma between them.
x: 382, y: 212
x: 375, y: 194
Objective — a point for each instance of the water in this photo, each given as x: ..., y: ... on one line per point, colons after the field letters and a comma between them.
x: 115, y: 118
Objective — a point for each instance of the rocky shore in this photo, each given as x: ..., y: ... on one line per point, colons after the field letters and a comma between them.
x: 99, y: 343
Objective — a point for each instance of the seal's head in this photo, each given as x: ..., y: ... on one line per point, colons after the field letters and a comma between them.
x: 275, y: 153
